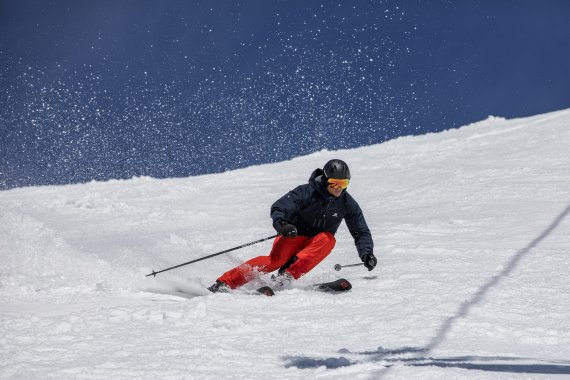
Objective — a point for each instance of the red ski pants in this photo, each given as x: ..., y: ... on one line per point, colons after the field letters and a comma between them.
x: 309, y: 251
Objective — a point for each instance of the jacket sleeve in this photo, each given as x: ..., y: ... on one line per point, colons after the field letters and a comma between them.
x: 284, y: 209
x: 358, y: 228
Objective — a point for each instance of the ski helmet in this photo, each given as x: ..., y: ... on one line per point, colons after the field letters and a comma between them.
x: 336, y: 169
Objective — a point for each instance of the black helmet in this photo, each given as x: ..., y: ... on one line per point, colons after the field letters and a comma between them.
x: 336, y: 169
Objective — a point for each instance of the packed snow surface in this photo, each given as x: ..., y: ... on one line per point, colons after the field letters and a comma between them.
x: 471, y: 228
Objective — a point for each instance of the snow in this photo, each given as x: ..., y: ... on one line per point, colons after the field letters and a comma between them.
x: 471, y: 231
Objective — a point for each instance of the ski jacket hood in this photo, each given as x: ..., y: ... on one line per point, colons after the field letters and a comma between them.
x: 318, y: 181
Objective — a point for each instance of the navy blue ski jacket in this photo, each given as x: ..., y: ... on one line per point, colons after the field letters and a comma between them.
x: 312, y: 210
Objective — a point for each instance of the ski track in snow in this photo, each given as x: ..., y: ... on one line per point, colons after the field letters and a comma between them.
x: 471, y: 231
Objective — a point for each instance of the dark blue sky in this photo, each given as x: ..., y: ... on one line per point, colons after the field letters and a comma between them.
x: 115, y: 89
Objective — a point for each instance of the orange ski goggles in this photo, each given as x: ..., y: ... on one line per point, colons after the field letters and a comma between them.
x: 336, y: 183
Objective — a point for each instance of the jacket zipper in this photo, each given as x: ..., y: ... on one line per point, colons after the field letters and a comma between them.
x: 320, y: 223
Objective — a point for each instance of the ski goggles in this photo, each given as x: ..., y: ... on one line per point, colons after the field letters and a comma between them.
x: 336, y: 183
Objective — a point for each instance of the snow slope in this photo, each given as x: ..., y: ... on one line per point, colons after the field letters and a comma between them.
x: 471, y: 231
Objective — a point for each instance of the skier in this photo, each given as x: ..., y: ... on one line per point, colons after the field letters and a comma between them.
x: 306, y: 219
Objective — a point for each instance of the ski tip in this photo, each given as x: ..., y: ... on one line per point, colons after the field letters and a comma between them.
x: 340, y: 285
x: 266, y: 291
x: 344, y: 284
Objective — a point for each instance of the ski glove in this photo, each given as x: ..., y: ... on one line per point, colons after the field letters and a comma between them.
x: 287, y: 231
x: 369, y: 261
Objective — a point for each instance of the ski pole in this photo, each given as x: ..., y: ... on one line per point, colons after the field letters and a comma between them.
x: 212, y: 255
x: 339, y: 267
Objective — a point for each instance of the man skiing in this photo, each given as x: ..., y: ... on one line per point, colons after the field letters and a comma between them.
x: 306, y: 219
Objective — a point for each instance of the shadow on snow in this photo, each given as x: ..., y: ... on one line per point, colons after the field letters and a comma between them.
x: 481, y: 363
x: 496, y: 364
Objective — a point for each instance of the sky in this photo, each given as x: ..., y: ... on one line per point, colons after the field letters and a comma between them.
x: 98, y: 90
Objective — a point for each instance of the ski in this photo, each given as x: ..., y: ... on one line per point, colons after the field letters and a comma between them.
x: 337, y: 286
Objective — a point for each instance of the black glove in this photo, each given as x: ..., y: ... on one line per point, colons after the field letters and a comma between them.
x: 287, y: 231
x: 369, y: 261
